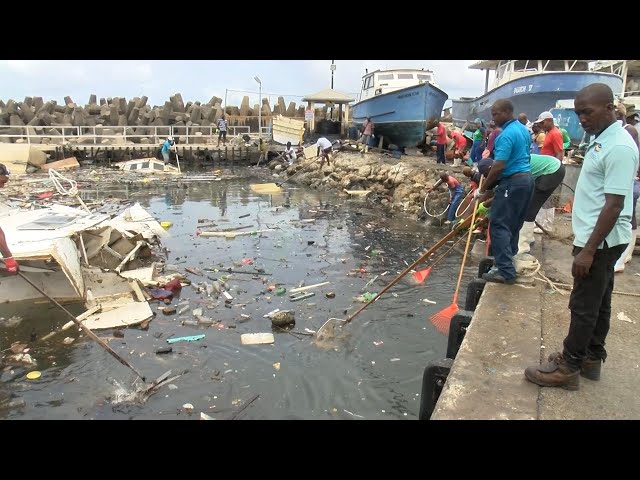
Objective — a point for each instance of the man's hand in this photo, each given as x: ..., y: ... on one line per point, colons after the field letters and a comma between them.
x: 12, y: 266
x: 582, y: 264
x: 477, y: 193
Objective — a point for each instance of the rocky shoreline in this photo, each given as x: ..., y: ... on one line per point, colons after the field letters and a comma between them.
x: 397, y: 185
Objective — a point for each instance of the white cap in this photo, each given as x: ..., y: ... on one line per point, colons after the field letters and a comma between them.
x: 170, y: 138
x: 544, y: 116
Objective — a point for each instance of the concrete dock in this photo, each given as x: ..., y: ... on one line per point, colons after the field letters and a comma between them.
x: 519, y: 325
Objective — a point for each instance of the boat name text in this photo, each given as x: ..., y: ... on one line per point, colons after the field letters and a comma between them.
x: 412, y: 94
x: 522, y: 89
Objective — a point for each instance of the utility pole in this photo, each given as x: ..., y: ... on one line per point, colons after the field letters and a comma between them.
x: 333, y: 69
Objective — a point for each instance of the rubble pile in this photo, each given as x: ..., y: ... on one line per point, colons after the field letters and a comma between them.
x: 399, y: 187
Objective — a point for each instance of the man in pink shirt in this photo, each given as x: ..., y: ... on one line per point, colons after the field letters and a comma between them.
x: 459, y: 147
x: 441, y: 143
x: 367, y: 133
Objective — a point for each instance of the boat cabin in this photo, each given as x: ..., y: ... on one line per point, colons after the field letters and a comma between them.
x: 386, y: 81
x: 629, y: 70
x: 508, y: 70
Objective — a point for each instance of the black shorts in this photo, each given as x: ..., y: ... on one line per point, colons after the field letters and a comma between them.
x: 327, y: 151
x: 222, y: 134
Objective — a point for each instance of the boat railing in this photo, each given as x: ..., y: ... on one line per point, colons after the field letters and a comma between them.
x: 94, y: 135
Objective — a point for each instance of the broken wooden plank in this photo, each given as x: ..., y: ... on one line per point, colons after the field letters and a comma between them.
x: 256, y: 338
x: 308, y: 287
x: 130, y: 255
x: 124, y: 316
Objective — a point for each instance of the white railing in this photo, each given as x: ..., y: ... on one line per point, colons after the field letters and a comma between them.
x: 208, y: 134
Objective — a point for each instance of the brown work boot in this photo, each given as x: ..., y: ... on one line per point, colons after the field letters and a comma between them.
x: 555, y: 373
x: 590, y: 368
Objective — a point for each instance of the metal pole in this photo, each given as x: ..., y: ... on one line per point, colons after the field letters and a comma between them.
x: 333, y: 68
x: 225, y: 100
x: 260, y: 111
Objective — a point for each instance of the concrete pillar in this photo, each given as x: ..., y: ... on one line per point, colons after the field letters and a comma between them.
x: 15, y: 119
x: 93, y: 100
x: 122, y: 121
x: 195, y: 114
x: 133, y: 116
x: 26, y: 112
x: 67, y: 100
x: 28, y: 101
x: 244, y: 106
x: 130, y: 106
x: 177, y: 103
x: 103, y: 101
x: 122, y: 106
x: 291, y: 111
x: 281, y: 105
x: 37, y: 103
x: 113, y: 116
x: 143, y: 101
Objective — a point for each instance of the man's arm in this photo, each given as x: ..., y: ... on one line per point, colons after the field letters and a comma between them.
x: 494, y: 175
x: 608, y: 217
x: 558, y: 145
x: 4, y: 249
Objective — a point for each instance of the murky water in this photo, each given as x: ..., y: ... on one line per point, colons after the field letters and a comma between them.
x: 373, y: 373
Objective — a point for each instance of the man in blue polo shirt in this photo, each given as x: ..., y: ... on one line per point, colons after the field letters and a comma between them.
x: 601, y: 221
x: 511, y: 177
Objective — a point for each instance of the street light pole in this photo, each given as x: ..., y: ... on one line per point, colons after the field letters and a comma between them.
x: 257, y: 79
x: 333, y: 69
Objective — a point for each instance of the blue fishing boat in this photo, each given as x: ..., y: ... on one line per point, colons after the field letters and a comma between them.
x: 533, y: 86
x: 402, y: 103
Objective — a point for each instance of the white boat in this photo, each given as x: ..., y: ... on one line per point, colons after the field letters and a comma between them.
x: 285, y: 130
x: 629, y: 70
x: 58, y: 248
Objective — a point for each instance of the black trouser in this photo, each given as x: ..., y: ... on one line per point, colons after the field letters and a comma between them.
x: 590, y: 306
x: 440, y: 153
x: 543, y: 188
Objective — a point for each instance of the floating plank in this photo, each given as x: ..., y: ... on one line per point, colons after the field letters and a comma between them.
x: 65, y: 164
x: 256, y: 338
x: 265, y: 188
x: 127, y: 315
x: 357, y: 192
x: 308, y: 287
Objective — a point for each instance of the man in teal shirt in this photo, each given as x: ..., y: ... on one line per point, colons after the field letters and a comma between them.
x: 601, y: 221
x: 547, y: 173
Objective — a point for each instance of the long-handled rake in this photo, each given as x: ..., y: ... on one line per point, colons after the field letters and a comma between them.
x: 442, y: 319
x: 421, y: 275
x: 328, y: 328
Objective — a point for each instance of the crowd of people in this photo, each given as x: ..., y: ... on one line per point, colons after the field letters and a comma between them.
x: 525, y: 167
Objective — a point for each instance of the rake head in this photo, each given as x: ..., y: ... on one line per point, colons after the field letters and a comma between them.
x: 421, y: 275
x: 442, y: 319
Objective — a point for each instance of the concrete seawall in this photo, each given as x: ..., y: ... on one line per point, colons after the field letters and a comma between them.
x: 516, y: 326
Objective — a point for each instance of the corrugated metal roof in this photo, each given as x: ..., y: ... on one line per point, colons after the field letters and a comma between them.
x: 328, y: 95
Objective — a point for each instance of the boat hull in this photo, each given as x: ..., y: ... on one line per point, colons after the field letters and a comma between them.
x: 402, y: 117
x: 532, y: 95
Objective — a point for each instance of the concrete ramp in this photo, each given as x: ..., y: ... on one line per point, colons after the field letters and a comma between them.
x: 486, y: 381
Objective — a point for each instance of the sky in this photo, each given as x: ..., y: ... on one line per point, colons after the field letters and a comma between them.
x: 199, y: 80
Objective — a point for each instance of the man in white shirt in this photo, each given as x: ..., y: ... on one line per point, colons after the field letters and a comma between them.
x: 290, y: 154
x: 324, y: 149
